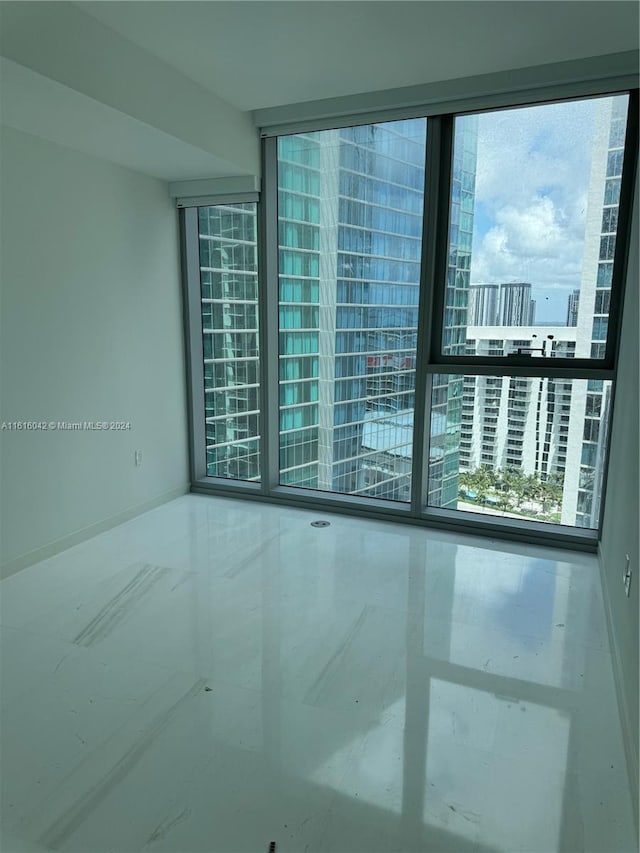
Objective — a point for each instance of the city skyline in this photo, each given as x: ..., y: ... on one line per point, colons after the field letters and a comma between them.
x: 349, y: 260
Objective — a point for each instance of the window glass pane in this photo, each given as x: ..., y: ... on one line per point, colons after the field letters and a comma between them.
x: 229, y: 300
x: 350, y: 233
x: 533, y: 219
x: 519, y: 446
x: 534, y: 195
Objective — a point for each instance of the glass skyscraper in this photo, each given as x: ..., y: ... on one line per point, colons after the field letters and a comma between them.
x: 229, y: 310
x: 350, y: 225
x: 350, y: 238
x: 595, y: 293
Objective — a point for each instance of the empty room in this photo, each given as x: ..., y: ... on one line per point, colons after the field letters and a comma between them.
x: 319, y: 412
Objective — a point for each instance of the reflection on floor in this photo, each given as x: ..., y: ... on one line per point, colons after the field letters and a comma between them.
x: 216, y: 675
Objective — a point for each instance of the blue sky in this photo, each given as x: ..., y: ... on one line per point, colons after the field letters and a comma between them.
x: 532, y: 179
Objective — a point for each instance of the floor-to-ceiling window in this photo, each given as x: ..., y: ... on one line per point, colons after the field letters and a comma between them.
x: 544, y: 217
x: 350, y: 210
x: 438, y: 301
x: 229, y: 299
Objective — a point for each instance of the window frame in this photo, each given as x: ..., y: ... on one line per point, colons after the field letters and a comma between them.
x: 192, y: 321
x: 429, y: 360
x: 619, y: 265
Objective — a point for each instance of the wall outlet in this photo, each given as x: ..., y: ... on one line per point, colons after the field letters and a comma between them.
x: 138, y: 457
x: 626, y: 577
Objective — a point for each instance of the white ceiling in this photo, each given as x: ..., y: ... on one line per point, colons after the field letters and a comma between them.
x: 168, y: 88
x: 264, y: 54
x: 38, y: 105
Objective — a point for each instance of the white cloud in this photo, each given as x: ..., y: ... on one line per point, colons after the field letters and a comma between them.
x: 524, y: 150
x: 534, y: 243
x: 532, y: 178
x: 528, y: 237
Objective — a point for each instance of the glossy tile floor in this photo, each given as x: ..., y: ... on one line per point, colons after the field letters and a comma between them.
x: 216, y: 675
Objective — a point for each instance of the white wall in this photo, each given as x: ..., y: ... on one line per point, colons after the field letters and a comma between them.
x: 622, y: 515
x: 91, y: 330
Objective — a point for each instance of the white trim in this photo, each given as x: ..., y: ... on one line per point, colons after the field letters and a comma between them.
x: 213, y: 187
x: 37, y: 554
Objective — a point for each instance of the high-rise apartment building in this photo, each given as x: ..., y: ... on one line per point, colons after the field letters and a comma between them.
x: 573, y: 303
x: 590, y: 412
x: 517, y: 308
x: 517, y: 422
x: 229, y: 305
x: 350, y: 220
x: 484, y: 301
x: 508, y: 304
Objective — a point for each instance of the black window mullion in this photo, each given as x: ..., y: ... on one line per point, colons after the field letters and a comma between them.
x: 438, y: 152
x: 488, y: 368
x: 503, y: 364
x: 268, y: 307
x: 439, y: 233
x: 188, y: 220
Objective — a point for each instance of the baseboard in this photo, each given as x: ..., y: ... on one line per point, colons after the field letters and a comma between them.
x: 25, y: 560
x: 625, y: 716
